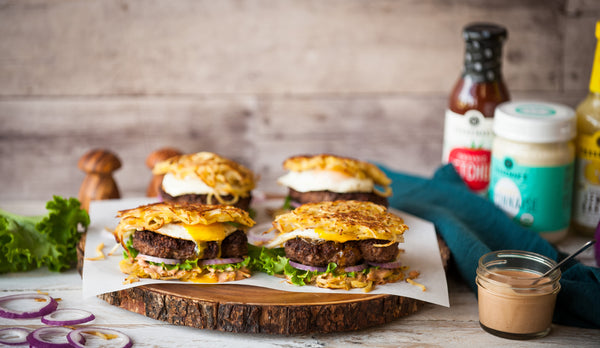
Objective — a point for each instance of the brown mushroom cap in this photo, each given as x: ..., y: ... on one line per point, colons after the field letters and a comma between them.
x: 99, y: 161
x: 161, y: 155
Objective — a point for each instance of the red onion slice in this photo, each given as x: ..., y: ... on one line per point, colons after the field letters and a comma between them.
x: 356, y: 268
x: 97, y: 336
x: 220, y: 261
x: 158, y: 259
x: 13, y: 336
x: 306, y: 267
x: 49, y: 337
x: 67, y: 316
x: 386, y: 265
x: 47, y: 305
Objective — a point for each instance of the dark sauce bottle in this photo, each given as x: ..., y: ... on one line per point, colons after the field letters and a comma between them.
x: 468, y: 131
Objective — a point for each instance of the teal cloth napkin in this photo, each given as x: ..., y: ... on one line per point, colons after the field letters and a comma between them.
x: 472, y: 226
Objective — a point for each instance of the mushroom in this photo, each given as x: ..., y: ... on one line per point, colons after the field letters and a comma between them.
x: 152, y: 159
x: 98, y: 184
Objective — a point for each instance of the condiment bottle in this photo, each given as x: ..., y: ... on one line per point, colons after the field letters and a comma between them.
x: 511, y: 303
x: 586, y: 196
x: 468, y: 122
x: 533, y: 160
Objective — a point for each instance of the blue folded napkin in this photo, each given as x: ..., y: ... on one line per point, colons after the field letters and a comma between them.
x: 472, y: 226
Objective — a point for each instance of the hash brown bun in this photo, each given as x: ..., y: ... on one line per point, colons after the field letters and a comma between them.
x: 326, y: 177
x: 358, y: 237
x: 205, y: 178
x: 190, y: 242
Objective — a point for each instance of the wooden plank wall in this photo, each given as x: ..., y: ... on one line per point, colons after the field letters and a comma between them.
x: 256, y: 80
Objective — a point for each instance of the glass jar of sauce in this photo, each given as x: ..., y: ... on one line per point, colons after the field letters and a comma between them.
x: 514, y: 300
x: 468, y: 121
x: 533, y: 158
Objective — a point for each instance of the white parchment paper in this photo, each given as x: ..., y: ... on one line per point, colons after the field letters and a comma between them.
x: 420, y: 245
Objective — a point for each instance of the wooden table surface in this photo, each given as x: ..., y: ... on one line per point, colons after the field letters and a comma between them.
x: 432, y: 326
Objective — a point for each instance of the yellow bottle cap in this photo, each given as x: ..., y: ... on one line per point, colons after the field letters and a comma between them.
x: 595, y: 79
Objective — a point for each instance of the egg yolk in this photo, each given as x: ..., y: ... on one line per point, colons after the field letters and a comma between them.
x: 334, y: 236
x: 206, y: 233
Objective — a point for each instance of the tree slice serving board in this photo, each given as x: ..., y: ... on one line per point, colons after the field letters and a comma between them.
x: 250, y: 309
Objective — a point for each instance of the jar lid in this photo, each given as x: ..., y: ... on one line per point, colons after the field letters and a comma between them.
x: 534, y: 121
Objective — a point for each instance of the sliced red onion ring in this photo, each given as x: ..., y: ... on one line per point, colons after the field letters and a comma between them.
x: 48, y: 305
x: 220, y: 261
x: 13, y: 336
x: 49, y: 337
x: 158, y: 259
x: 67, y: 316
x: 386, y: 265
x: 356, y: 268
x: 87, y: 336
x: 306, y: 267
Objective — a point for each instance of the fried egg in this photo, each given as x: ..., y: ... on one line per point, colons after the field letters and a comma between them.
x: 325, y: 180
x: 198, y: 233
x: 191, y: 184
x: 311, y: 233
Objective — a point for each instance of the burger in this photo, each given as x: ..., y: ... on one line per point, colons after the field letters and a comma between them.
x: 190, y: 242
x: 325, y: 178
x: 339, y: 244
x: 205, y: 178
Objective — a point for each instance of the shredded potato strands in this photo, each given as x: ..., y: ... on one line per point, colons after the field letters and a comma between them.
x: 113, y: 249
x: 412, y: 282
x: 351, y: 167
x: 151, y: 217
x: 353, y: 219
x: 225, y: 176
x: 99, y: 252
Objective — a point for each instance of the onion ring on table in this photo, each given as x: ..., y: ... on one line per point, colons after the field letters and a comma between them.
x: 49, y: 337
x: 13, y: 336
x: 74, y: 317
x: 49, y: 306
x: 77, y: 339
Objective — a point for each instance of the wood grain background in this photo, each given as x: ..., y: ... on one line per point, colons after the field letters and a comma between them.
x: 257, y: 80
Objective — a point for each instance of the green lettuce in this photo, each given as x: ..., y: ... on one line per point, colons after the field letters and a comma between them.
x: 29, y: 242
x: 274, y: 262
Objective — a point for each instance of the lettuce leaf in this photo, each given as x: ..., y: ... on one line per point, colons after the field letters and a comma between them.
x: 270, y: 261
x: 274, y: 262
x: 29, y: 242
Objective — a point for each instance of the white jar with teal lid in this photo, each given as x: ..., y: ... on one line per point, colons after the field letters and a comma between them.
x: 531, y: 176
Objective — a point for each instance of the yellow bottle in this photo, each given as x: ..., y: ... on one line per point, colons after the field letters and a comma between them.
x: 586, y: 200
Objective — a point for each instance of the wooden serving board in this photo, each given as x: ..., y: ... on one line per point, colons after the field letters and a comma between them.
x: 250, y: 309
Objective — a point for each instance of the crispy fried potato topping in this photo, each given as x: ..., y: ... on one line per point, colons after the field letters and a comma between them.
x: 349, y: 166
x: 361, y: 220
x: 151, y: 217
x: 224, y: 175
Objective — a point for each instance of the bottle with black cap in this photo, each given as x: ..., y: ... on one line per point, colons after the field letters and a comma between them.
x: 468, y: 123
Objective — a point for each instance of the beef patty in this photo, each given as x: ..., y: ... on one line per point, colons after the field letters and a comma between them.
x: 329, y: 196
x: 242, y: 203
x: 155, y: 244
x: 321, y: 253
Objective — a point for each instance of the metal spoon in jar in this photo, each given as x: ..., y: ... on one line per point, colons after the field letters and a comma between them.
x: 579, y: 251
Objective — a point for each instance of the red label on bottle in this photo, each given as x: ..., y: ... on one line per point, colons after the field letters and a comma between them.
x: 473, y: 166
